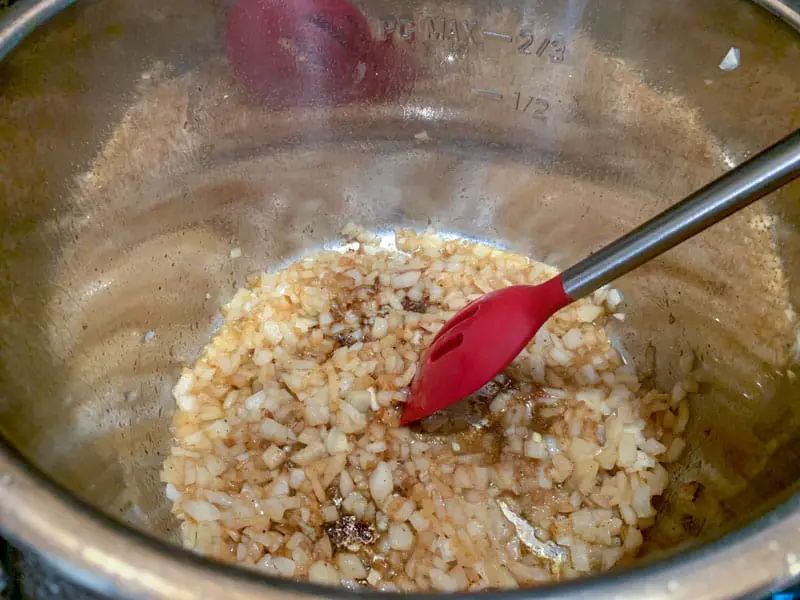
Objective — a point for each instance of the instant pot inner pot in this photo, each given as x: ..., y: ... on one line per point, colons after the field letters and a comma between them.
x: 134, y: 169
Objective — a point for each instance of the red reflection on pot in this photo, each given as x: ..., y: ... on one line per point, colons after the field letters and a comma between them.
x: 306, y: 52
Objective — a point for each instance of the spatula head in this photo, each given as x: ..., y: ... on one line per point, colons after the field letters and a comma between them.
x: 478, y: 343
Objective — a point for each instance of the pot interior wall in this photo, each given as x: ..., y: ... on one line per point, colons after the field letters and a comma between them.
x: 133, y: 164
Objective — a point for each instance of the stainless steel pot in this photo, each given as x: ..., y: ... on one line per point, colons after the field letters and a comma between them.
x: 133, y: 162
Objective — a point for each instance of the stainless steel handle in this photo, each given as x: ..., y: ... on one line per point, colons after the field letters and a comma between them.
x: 753, y: 179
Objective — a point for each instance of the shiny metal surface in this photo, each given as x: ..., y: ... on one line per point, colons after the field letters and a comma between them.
x: 132, y: 163
x: 741, y: 186
x: 123, y: 564
x: 21, y: 19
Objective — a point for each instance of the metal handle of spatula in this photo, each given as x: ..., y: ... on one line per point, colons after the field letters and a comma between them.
x: 755, y: 178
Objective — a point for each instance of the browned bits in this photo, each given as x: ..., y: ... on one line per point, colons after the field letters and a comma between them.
x: 691, y: 524
x: 691, y: 490
x: 417, y: 306
x: 345, y: 339
x: 348, y: 532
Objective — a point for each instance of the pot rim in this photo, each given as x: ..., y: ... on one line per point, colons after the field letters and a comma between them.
x: 110, y: 557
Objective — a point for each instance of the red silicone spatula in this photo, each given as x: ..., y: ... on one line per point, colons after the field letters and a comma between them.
x: 484, y: 337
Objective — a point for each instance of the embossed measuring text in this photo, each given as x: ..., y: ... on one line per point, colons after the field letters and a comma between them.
x: 430, y: 29
x: 528, y: 43
x: 532, y: 105
x: 519, y: 102
x: 469, y: 32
